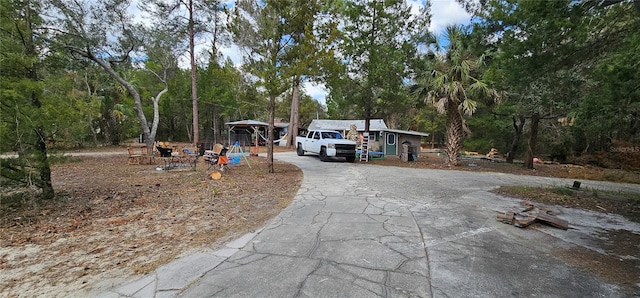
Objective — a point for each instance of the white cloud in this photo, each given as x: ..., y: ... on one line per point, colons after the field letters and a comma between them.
x: 415, y: 6
x: 139, y: 16
x: 446, y: 12
x: 234, y: 53
x: 316, y: 91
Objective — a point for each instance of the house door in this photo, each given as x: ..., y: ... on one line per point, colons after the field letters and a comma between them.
x: 391, y: 143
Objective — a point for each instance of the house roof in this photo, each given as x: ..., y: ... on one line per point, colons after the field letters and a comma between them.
x: 247, y: 123
x: 255, y: 123
x: 408, y: 132
x: 374, y: 124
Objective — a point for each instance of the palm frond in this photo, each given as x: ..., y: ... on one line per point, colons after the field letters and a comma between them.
x: 469, y: 106
x: 441, y: 105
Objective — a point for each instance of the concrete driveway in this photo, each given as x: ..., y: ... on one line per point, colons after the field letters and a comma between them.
x: 359, y: 230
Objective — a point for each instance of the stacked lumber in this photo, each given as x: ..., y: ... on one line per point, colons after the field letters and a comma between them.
x: 528, y: 214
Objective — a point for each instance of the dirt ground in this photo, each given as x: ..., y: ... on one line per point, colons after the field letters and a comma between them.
x: 114, y: 220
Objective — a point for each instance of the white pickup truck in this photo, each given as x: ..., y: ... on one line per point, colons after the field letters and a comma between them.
x: 326, y: 143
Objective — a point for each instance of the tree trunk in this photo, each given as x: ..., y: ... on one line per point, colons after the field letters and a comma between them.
x: 156, y: 117
x: 454, y: 134
x: 106, y: 118
x: 43, y: 165
x: 146, y: 132
x: 533, y: 137
x: 188, y: 130
x: 518, y: 127
x: 90, y: 114
x: 216, y: 129
x: 433, y: 140
x: 156, y: 108
x: 634, y: 116
x: 272, y: 107
x: 194, y: 88
x: 367, y: 120
x: 295, y: 117
x: 94, y: 135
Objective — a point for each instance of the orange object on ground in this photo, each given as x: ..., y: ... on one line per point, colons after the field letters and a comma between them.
x: 215, y: 175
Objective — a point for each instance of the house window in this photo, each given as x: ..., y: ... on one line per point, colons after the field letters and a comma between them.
x: 391, y: 139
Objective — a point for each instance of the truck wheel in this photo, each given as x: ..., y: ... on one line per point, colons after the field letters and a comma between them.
x: 323, y: 154
x: 351, y: 158
x: 299, y: 150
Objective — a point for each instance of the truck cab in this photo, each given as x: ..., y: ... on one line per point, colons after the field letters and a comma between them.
x: 326, y: 143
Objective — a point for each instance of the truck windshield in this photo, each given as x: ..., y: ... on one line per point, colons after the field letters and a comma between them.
x: 331, y: 135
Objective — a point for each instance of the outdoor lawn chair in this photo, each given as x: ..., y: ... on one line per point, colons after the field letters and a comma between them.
x: 217, y: 157
x: 223, y: 160
x: 134, y: 159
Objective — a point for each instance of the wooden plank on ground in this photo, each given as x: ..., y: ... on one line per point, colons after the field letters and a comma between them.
x: 528, y: 214
x: 553, y: 221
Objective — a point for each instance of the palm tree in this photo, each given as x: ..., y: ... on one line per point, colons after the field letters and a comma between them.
x: 452, y: 86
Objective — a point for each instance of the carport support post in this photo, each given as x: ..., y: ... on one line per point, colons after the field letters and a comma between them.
x: 257, y: 132
x: 229, y: 135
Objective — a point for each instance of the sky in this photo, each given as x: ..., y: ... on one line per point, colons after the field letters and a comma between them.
x: 443, y: 13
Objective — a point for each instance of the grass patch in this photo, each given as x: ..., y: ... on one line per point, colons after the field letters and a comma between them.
x: 563, y: 191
